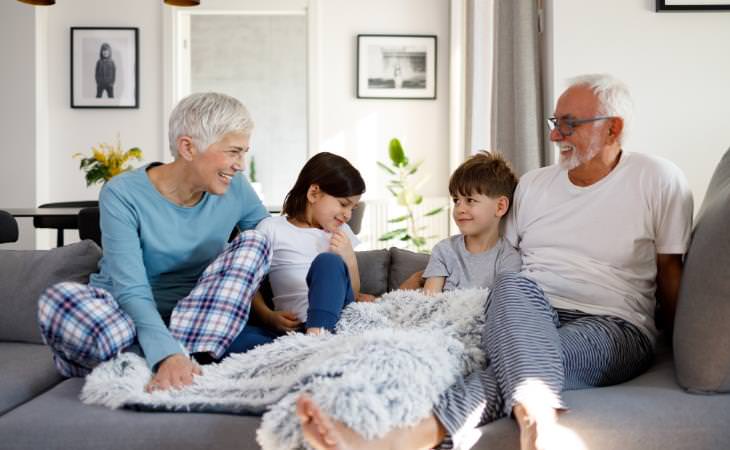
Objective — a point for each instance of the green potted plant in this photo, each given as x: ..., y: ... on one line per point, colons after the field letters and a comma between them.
x: 404, y: 186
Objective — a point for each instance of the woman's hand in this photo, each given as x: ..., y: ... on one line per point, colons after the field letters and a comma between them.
x: 283, y: 321
x: 175, y: 371
x: 340, y: 244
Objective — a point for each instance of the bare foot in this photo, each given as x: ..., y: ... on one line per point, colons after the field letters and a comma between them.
x: 320, y: 431
x: 323, y: 433
x: 317, y: 331
x: 536, y: 427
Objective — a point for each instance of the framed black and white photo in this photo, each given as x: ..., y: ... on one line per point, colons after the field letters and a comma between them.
x: 692, y: 5
x: 396, y: 66
x: 104, y: 67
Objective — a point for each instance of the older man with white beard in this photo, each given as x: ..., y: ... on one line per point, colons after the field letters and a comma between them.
x: 602, y: 235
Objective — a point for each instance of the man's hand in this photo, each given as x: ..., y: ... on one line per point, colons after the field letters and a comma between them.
x: 340, y: 244
x: 175, y: 371
x: 415, y: 281
x: 283, y: 321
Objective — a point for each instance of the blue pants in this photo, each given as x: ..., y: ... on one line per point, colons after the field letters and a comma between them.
x: 330, y: 290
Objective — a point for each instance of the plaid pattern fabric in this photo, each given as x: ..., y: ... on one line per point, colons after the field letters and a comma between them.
x: 83, y: 326
x: 217, y: 308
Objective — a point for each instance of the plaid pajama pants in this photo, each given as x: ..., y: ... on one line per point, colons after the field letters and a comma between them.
x: 535, y: 351
x: 84, y: 326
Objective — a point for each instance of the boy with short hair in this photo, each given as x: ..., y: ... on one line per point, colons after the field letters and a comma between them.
x: 481, y: 188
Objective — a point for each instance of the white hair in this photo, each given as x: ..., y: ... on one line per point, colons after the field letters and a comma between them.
x: 613, y: 96
x: 206, y: 118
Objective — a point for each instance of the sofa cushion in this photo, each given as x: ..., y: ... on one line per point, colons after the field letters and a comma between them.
x: 373, y: 267
x: 26, y: 370
x: 58, y: 420
x: 701, y: 331
x: 24, y: 276
x: 404, y: 263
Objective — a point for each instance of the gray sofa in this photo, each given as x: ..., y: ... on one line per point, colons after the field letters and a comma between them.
x: 40, y: 410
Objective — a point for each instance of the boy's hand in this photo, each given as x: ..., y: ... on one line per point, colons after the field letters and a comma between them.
x: 340, y: 245
x: 284, y: 321
x: 415, y: 281
x: 367, y: 298
x: 175, y: 371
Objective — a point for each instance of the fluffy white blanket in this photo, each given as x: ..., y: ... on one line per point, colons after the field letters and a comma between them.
x: 385, y: 367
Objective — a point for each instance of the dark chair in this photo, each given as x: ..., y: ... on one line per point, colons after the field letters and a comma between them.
x: 61, y: 223
x: 8, y: 228
x: 88, y: 223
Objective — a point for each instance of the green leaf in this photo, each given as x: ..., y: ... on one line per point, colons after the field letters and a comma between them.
x: 419, y: 241
x: 398, y: 219
x: 406, y: 237
x: 386, y: 168
x: 396, y: 153
x: 418, y: 200
x: 415, y: 167
x: 392, y: 234
x: 433, y: 212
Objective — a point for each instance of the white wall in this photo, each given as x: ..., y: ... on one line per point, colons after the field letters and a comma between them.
x: 677, y: 66
x: 360, y: 129
x: 18, y: 114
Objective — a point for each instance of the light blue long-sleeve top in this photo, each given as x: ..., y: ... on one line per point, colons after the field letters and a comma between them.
x: 155, y: 250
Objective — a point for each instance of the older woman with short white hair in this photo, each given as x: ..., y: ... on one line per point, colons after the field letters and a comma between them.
x: 168, y: 279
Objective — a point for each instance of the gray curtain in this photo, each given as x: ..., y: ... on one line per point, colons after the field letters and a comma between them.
x: 517, y: 112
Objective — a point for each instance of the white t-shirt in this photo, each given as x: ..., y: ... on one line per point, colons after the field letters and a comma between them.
x: 292, y: 251
x: 594, y: 248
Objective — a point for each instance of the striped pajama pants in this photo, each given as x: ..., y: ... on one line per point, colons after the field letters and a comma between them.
x: 84, y: 326
x: 534, y: 350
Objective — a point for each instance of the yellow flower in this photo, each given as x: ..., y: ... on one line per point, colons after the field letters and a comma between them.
x: 106, y: 161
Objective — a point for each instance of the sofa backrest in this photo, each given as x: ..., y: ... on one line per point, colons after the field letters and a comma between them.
x: 702, y: 323
x: 25, y: 275
x: 384, y: 270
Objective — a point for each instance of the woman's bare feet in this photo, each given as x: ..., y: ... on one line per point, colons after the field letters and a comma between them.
x: 323, y: 433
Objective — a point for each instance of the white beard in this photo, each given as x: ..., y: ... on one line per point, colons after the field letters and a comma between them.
x: 576, y: 159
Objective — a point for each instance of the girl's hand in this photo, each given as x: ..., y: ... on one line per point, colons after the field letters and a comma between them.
x: 340, y: 245
x: 368, y: 298
x: 284, y: 321
x: 175, y: 371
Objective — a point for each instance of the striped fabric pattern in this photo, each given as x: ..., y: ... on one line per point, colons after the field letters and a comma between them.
x: 85, y: 326
x: 535, y: 351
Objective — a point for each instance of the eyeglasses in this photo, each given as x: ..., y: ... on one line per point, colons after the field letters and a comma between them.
x: 566, y: 125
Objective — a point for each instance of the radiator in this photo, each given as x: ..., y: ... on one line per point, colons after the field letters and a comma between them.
x: 379, y: 211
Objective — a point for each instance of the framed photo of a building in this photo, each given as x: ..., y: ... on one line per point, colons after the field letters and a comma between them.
x: 692, y: 5
x: 396, y: 66
x: 104, y: 67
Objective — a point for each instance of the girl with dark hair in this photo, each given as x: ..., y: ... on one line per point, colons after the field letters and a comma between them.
x: 314, y: 272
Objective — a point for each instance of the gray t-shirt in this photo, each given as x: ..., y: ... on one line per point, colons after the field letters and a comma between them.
x: 464, y: 270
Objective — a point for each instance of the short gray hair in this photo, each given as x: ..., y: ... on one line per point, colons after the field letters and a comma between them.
x: 206, y: 118
x: 613, y: 96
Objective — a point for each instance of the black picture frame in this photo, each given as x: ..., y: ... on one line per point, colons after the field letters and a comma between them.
x: 105, y: 67
x: 397, y: 66
x: 672, y: 5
